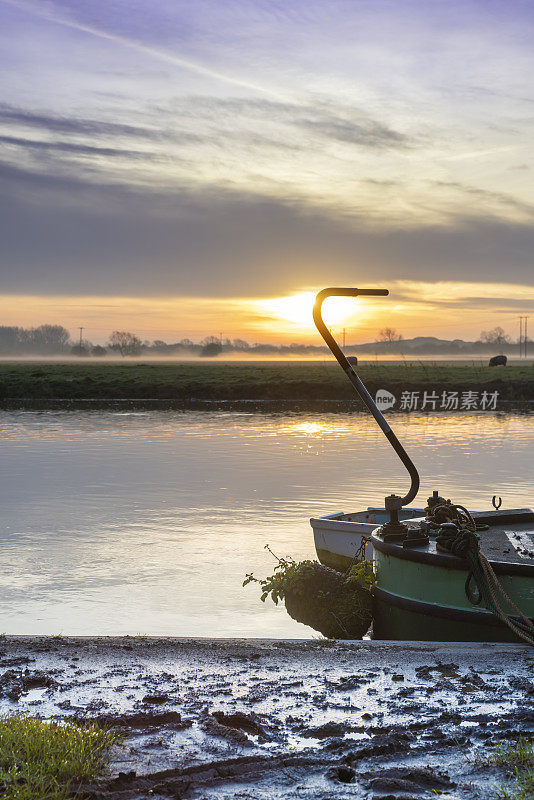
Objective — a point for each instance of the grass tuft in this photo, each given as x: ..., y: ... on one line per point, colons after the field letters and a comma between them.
x: 49, y: 760
x: 518, y: 760
x: 513, y: 754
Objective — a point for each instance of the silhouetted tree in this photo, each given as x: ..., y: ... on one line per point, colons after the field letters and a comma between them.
x: 11, y: 338
x: 126, y: 343
x: 241, y: 344
x: 79, y: 350
x: 211, y: 346
x: 389, y: 335
x: 48, y: 338
x: 496, y: 336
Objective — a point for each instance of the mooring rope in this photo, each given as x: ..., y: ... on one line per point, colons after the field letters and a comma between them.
x: 459, y: 537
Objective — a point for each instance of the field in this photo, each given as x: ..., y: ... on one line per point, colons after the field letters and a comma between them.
x: 234, y: 381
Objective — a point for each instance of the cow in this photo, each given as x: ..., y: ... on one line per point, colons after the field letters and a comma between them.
x: 498, y: 361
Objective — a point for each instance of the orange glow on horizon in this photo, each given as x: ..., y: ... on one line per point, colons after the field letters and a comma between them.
x: 447, y: 310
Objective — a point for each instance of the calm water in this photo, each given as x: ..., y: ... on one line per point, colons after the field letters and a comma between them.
x: 146, y: 522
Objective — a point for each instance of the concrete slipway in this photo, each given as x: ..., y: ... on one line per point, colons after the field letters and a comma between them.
x: 282, y: 719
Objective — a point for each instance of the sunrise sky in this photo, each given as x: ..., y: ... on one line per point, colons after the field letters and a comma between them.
x: 183, y: 168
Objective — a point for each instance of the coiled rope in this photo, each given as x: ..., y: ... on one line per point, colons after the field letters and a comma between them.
x: 459, y: 537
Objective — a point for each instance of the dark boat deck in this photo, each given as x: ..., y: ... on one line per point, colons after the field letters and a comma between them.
x: 513, y: 542
x: 510, y: 536
x: 508, y: 543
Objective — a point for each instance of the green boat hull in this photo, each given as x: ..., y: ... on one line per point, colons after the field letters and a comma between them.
x: 432, y: 625
x: 421, y: 596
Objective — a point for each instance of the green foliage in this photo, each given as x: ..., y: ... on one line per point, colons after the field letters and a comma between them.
x: 288, y: 576
x: 48, y: 760
x: 293, y: 577
x: 337, y: 605
x: 523, y: 789
x: 361, y: 574
x: 518, y: 760
x: 513, y: 754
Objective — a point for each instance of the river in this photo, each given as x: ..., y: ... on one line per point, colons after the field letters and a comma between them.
x: 146, y: 522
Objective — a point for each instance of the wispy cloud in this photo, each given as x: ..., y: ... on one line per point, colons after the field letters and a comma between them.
x: 51, y: 13
x: 77, y: 149
x: 366, y: 133
x: 53, y: 123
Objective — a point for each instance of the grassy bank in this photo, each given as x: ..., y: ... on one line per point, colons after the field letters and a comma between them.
x: 49, y: 761
x: 183, y: 382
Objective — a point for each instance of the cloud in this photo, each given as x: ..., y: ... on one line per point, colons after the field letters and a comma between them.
x: 53, y: 123
x: 465, y: 295
x: 256, y: 148
x: 485, y: 195
x: 202, y: 131
x: 64, y: 235
x: 325, y: 118
x: 78, y: 149
x: 195, y: 142
x: 54, y: 14
x: 366, y: 133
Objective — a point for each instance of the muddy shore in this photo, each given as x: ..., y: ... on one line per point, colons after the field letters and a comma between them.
x: 293, y: 719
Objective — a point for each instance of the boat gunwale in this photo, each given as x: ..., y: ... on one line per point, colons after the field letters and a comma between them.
x: 335, y: 521
x: 445, y: 560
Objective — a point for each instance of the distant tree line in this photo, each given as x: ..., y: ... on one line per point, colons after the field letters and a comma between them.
x: 56, y: 340
x: 46, y: 339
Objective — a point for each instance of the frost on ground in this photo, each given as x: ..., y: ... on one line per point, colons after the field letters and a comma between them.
x: 216, y: 719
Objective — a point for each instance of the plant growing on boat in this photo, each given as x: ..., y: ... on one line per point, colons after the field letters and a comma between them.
x: 335, y: 604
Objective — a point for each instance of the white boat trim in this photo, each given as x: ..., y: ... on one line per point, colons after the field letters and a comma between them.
x: 338, y: 535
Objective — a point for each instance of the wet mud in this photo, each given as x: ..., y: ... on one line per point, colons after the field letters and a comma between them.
x: 217, y: 719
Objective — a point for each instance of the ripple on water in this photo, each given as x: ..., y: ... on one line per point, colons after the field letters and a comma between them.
x: 136, y: 522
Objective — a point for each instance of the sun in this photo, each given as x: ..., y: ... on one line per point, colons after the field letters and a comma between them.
x: 297, y: 309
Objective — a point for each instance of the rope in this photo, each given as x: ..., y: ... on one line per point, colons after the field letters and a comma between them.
x: 449, y: 512
x: 359, y: 555
x: 465, y: 543
x: 494, y: 582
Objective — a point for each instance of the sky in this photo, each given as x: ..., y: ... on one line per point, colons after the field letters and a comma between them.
x: 184, y: 169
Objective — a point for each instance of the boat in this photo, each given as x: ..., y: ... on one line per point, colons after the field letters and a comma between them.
x: 446, y: 574
x: 340, y: 537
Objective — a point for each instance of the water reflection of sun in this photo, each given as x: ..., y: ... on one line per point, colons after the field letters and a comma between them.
x: 310, y: 428
x: 317, y: 429
x: 297, y: 309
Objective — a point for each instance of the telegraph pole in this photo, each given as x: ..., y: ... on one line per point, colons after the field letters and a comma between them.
x: 81, y: 331
x: 343, y: 337
x: 523, y: 336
